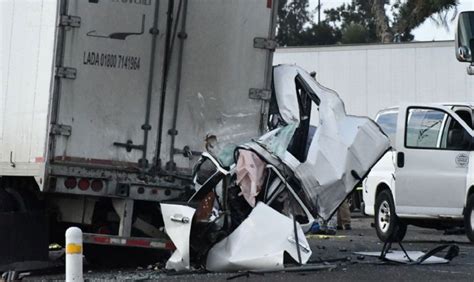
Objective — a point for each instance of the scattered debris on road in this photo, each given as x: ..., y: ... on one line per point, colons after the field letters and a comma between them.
x: 416, y: 257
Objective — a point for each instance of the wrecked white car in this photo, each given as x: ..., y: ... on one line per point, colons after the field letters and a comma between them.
x: 254, y: 201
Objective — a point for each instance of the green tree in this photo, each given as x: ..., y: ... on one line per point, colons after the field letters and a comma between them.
x: 413, y: 13
x: 361, y: 21
x: 354, y: 33
x: 322, y: 34
x: 292, y: 18
x: 354, y: 21
x: 296, y: 28
x: 406, y: 16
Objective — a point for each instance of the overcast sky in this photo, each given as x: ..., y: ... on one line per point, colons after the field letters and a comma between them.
x: 428, y: 31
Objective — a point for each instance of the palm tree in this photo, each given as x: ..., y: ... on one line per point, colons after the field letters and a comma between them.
x: 408, y: 15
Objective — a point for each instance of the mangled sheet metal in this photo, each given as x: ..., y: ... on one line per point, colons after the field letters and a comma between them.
x: 260, y: 242
x: 254, y: 201
x: 343, y: 148
x: 177, y: 220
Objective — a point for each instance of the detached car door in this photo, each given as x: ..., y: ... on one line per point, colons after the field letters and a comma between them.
x: 432, y: 160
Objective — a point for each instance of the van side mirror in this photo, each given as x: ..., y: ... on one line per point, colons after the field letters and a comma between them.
x: 465, y: 37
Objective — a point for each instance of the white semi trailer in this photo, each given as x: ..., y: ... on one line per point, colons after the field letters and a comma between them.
x: 105, y: 104
x: 372, y: 77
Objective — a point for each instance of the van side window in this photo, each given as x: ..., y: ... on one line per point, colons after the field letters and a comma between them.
x: 388, y: 123
x: 465, y: 116
x: 455, y: 136
x: 423, y: 128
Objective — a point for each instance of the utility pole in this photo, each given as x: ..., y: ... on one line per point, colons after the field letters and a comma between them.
x: 319, y: 12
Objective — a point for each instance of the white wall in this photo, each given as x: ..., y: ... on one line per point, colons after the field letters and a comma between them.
x: 371, y: 77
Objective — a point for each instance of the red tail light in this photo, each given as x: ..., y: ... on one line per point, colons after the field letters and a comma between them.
x: 97, y: 185
x: 70, y: 182
x: 84, y: 184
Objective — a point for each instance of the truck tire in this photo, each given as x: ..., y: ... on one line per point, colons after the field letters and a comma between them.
x: 23, y: 233
x: 387, y: 225
x: 469, y: 218
x: 7, y: 202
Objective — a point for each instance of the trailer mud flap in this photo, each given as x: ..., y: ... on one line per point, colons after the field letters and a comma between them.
x: 23, y: 237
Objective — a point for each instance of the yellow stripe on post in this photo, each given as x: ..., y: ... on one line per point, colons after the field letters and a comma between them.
x: 72, y: 248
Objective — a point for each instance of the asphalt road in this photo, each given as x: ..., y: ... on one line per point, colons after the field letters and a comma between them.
x: 329, y: 248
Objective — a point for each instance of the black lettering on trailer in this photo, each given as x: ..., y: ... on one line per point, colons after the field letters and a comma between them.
x: 107, y: 60
x: 125, y: 63
x: 120, y: 61
x: 96, y: 59
x: 91, y: 58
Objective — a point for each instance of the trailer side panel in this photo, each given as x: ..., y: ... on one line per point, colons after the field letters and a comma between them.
x: 27, y: 30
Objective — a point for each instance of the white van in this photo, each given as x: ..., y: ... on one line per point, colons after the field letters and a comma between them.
x: 427, y: 179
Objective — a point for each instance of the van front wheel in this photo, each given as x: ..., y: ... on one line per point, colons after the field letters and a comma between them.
x: 469, y: 218
x: 387, y: 225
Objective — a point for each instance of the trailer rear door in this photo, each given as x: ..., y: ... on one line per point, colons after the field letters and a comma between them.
x: 102, y: 98
x: 218, y: 55
x: 224, y: 57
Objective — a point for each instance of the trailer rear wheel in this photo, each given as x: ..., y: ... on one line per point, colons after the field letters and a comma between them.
x: 7, y: 202
x: 23, y: 232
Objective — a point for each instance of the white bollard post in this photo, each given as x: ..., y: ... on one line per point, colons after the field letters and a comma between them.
x: 74, y: 254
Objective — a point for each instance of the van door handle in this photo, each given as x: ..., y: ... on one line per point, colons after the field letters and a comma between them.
x: 400, y: 159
